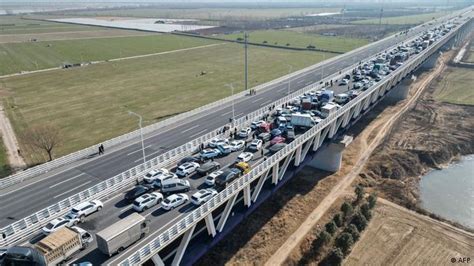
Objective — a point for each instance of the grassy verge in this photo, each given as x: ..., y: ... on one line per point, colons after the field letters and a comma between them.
x: 300, y: 40
x: 16, y: 57
x: 90, y: 104
x: 412, y: 19
x: 456, y: 87
x: 5, y: 169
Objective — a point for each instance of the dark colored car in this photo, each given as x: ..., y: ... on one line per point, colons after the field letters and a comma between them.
x: 208, y: 167
x: 189, y: 159
x: 137, y: 192
x: 23, y: 256
x: 265, y: 136
x: 275, y: 148
x: 227, y: 176
x: 275, y: 132
x: 290, y: 135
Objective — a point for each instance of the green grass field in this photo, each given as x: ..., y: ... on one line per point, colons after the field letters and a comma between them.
x: 413, y: 19
x: 16, y: 57
x: 17, y: 25
x: 300, y: 40
x: 207, y: 13
x: 90, y: 104
x: 5, y: 169
x: 456, y: 87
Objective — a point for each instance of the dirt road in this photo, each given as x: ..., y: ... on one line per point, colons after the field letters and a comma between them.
x: 10, y: 142
x: 380, y: 130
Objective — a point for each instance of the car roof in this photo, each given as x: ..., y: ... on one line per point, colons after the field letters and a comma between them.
x: 174, y: 196
x: 82, y: 205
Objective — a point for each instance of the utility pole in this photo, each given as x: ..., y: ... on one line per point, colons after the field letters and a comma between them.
x: 246, y: 36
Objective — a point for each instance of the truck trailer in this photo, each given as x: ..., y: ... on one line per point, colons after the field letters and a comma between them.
x: 120, y: 235
x: 54, y: 249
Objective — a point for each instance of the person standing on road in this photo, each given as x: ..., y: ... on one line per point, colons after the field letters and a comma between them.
x: 261, y: 152
x: 100, y: 149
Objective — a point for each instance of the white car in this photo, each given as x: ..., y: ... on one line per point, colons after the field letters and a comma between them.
x: 187, y: 169
x: 209, y: 153
x: 211, y: 178
x: 245, y: 132
x: 344, y: 82
x: 147, y: 201
x: 151, y: 176
x: 237, y: 145
x: 225, y: 149
x: 256, y: 124
x: 245, y: 157
x: 85, y: 209
x: 217, y: 141
x: 174, y: 201
x: 58, y: 223
x: 202, y: 196
x: 256, y: 145
x: 160, y: 179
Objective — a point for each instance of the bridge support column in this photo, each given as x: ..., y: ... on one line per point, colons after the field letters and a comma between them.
x: 400, y: 92
x: 275, y: 170
x: 157, y: 260
x: 226, y: 212
x: 211, y: 228
x: 329, y: 159
x: 182, y: 246
x: 430, y: 62
x: 247, y: 198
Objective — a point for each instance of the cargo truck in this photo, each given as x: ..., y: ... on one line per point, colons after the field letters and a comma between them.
x: 117, y: 237
x: 328, y: 109
x: 302, y: 120
x: 54, y: 249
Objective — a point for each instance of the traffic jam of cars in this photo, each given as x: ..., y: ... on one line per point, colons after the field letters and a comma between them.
x: 198, y: 178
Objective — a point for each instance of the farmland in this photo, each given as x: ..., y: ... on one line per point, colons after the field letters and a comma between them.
x: 90, y: 103
x: 412, y: 19
x: 39, y: 55
x: 396, y: 236
x: 300, y: 40
x: 454, y: 86
x: 4, y: 166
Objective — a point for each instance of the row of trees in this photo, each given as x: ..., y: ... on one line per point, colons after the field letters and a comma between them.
x: 344, y: 229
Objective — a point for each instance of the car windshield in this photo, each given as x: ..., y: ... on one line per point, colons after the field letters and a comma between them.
x: 49, y: 226
x: 149, y: 175
x: 74, y: 210
x: 167, y: 201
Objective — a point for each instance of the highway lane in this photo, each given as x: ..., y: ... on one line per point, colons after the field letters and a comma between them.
x: 72, y: 181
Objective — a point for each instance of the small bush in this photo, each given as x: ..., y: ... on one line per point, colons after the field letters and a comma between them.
x: 359, y: 221
x: 372, y: 200
x: 347, y: 209
x: 352, y: 229
x: 337, y: 219
x: 331, y: 227
x: 359, y: 191
x: 335, y: 257
x: 345, y: 242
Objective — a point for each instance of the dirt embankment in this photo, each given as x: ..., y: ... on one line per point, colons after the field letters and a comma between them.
x: 428, y: 137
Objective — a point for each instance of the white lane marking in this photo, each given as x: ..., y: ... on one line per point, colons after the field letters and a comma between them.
x: 254, y: 101
x: 130, y: 153
x: 191, y: 128
x: 300, y: 81
x: 239, y: 114
x: 284, y: 89
x: 153, y: 153
x: 224, y: 114
x: 81, y: 185
x: 309, y: 83
x: 266, y: 102
x: 125, y: 209
x: 199, y: 133
x: 57, y: 184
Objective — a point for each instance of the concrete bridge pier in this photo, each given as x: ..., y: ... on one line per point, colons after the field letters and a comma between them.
x: 400, y: 92
x: 430, y: 62
x: 330, y: 157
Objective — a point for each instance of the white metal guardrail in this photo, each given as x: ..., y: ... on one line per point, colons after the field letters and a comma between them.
x: 183, y: 225
x: 18, y: 230
x: 84, y: 153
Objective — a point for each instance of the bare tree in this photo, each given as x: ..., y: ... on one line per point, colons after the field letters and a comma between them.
x: 45, y: 137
